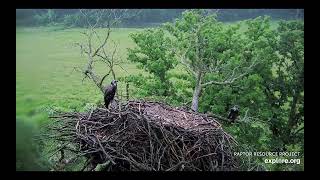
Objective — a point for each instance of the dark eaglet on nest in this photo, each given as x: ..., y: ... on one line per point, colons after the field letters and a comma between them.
x: 109, y: 92
x: 234, y: 113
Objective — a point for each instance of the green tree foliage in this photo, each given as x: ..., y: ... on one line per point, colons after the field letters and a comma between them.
x: 72, y: 20
x: 258, y: 44
x: 47, y: 18
x: 272, y: 96
x: 210, y: 51
x: 286, y: 91
x: 28, y: 153
x: 153, y: 54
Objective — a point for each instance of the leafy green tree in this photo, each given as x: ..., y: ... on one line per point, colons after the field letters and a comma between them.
x: 211, y: 52
x: 259, y: 41
x: 286, y: 91
x: 29, y: 155
x: 72, y: 20
x: 49, y: 17
x: 270, y: 92
x: 154, y: 55
x: 272, y: 96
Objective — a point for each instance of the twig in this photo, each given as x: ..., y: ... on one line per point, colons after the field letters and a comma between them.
x: 104, y: 151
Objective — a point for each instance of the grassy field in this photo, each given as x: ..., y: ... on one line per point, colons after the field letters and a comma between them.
x: 45, y: 76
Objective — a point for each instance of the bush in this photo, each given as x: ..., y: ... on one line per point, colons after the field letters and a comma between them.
x: 28, y: 155
x: 47, y: 18
x: 154, y: 55
x: 71, y: 20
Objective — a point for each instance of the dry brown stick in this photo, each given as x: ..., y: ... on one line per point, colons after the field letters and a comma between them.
x: 175, y: 166
x: 210, y: 154
x: 90, y: 114
x: 102, y: 148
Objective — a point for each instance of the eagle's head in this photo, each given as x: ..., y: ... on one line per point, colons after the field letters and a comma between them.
x: 114, y: 82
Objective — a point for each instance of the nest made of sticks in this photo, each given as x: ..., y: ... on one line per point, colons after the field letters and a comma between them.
x: 145, y: 136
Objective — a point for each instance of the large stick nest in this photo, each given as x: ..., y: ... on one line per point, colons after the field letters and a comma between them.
x: 145, y: 136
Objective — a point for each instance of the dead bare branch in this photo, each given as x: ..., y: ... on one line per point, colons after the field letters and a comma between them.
x: 103, y: 44
x: 104, y: 78
x: 111, y: 16
x: 232, y: 78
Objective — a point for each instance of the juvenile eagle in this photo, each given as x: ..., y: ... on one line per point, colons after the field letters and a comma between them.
x: 109, y: 92
x: 234, y: 112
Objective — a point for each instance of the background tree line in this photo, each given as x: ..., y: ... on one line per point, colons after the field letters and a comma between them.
x: 145, y: 17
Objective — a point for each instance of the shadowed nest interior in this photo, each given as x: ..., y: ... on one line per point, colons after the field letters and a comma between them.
x: 143, y: 136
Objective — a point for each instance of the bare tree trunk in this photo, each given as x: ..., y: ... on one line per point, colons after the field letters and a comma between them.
x: 196, y: 93
x: 292, y: 118
x: 195, y: 99
x: 113, y: 73
x: 127, y: 91
x: 96, y: 81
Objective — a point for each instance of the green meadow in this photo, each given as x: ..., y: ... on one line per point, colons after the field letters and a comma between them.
x: 45, y: 70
